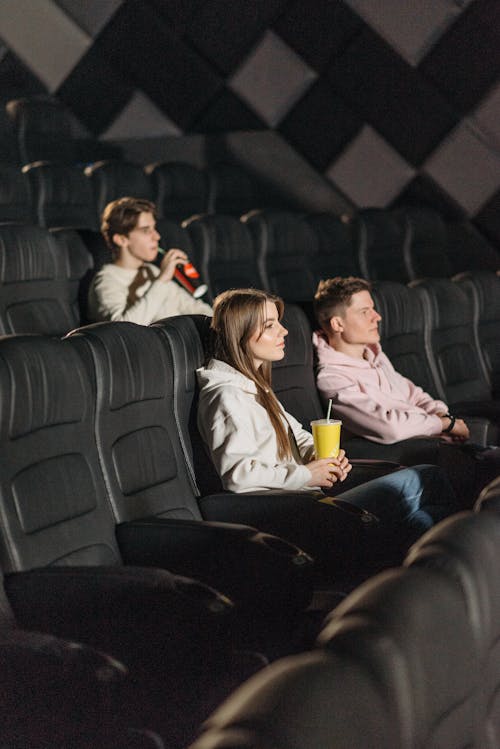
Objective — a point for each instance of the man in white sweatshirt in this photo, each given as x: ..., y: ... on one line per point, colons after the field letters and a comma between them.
x: 131, y: 287
x: 373, y: 400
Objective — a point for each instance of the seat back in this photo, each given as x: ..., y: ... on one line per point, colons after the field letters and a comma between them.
x: 14, y: 195
x: 453, y: 341
x: 380, y: 237
x: 43, y: 130
x: 53, y: 506
x: 293, y: 377
x: 286, y: 248
x: 135, y: 427
x: 337, y: 255
x: 225, y: 252
x: 465, y: 549
x: 483, y: 290
x: 412, y: 631
x: 232, y: 190
x: 113, y: 179
x: 36, y: 295
x: 402, y: 334
x: 60, y: 195
x: 79, y: 270
x: 314, y: 699
x: 469, y: 250
x: 187, y: 338
x: 426, y: 243
x: 180, y: 189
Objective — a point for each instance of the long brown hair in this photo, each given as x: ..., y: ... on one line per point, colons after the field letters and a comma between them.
x: 238, y: 313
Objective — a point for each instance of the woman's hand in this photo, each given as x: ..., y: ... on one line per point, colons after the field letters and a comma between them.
x: 171, y: 259
x: 327, y: 471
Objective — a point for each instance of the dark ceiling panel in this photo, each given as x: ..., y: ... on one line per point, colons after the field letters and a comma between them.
x: 318, y: 36
x: 465, y: 62
x: 320, y: 124
x: 224, y: 30
x: 391, y: 95
x: 143, y: 48
x: 226, y: 112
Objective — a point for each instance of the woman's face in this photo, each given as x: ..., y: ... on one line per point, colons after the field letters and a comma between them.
x: 268, y: 345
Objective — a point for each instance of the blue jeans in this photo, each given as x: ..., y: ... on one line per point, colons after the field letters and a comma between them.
x: 409, y: 501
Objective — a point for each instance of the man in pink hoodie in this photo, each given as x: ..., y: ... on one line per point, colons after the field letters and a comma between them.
x: 376, y: 402
x: 372, y: 399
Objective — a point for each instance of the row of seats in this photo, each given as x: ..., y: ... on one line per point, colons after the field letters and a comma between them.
x: 101, y: 477
x: 410, y: 660
x: 402, y: 244
x: 103, y: 470
x: 55, y: 194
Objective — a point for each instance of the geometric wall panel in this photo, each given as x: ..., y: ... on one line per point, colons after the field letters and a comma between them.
x: 369, y: 171
x: 392, y: 100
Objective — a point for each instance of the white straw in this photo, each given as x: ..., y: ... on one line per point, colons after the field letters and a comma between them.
x: 329, y: 409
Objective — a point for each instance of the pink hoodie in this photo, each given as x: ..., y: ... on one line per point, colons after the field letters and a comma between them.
x: 372, y: 399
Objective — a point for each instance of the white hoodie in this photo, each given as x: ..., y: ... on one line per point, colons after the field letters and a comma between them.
x: 240, y: 436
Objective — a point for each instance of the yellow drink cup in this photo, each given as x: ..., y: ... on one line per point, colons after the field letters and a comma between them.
x: 326, y: 436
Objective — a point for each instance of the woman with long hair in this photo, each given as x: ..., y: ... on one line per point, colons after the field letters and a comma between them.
x: 255, y: 445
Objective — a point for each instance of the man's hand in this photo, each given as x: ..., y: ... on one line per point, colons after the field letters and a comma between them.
x: 171, y: 259
x: 460, y: 431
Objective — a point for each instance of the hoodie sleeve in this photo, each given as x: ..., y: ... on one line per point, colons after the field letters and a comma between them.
x: 377, y: 416
x: 242, y: 448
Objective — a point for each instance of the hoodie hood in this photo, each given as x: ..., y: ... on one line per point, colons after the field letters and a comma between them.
x: 217, y: 373
x: 326, y: 354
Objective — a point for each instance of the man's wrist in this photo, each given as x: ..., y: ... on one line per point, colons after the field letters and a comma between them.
x: 450, y: 426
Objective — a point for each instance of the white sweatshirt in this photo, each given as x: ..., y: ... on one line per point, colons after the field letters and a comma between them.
x: 240, y: 436
x: 137, y: 296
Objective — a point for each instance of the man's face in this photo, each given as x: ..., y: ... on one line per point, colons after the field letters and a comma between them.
x: 141, y: 243
x: 359, y: 322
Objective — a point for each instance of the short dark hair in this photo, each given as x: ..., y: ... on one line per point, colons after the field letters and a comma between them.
x: 121, y: 217
x: 334, y: 295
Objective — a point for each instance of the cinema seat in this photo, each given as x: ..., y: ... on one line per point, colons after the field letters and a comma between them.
x: 180, y: 189
x: 411, y: 630
x: 465, y: 549
x: 64, y: 573
x: 36, y: 293
x: 111, y: 179
x: 224, y: 252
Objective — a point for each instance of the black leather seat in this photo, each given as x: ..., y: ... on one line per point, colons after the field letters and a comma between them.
x: 14, y: 195
x: 483, y: 290
x: 426, y: 243
x: 61, y: 195
x: 115, y: 178
x: 64, y: 570
x: 469, y: 250
x: 224, y: 252
x: 37, y: 282
x: 465, y: 549
x: 411, y: 631
x: 79, y: 270
x: 454, y: 349
x: 153, y: 496
x: 286, y: 248
x: 232, y: 190
x: 337, y: 252
x: 314, y: 699
x: 324, y: 527
x: 180, y: 189
x: 381, y: 244
x: 43, y: 130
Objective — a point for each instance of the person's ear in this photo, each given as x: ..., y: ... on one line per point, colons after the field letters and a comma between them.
x: 336, y: 324
x: 120, y: 240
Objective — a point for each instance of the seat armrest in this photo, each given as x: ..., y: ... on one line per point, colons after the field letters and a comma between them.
x: 255, y: 569
x: 52, y: 687
x: 129, y: 612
